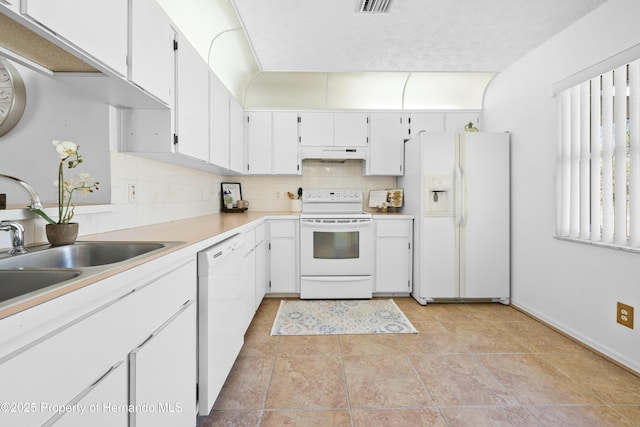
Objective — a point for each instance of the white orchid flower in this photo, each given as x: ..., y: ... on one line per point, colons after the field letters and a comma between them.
x: 83, y: 183
x: 83, y: 177
x: 65, y: 148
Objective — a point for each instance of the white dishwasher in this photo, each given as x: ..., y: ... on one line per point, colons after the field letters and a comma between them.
x: 221, y: 324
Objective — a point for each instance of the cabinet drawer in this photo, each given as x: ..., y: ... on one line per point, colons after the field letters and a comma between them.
x: 393, y: 228
x: 282, y: 229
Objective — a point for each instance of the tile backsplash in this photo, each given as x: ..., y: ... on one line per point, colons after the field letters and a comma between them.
x: 166, y: 192
x: 269, y: 193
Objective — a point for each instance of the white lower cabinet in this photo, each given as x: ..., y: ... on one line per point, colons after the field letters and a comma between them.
x: 162, y: 375
x: 94, y: 406
x: 261, y: 264
x: 393, y: 263
x: 84, y: 360
x: 283, y: 256
x: 247, y: 289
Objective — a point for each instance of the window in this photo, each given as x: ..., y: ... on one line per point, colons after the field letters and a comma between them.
x: 599, y: 159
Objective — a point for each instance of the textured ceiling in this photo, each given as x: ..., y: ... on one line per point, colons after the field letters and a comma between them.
x: 416, y: 35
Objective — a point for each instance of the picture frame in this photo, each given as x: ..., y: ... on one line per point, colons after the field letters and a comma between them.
x: 230, y: 192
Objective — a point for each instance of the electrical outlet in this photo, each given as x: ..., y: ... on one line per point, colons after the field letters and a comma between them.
x: 132, y: 192
x: 278, y: 195
x: 625, y: 315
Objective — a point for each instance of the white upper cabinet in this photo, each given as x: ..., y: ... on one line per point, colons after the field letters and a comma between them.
x: 351, y: 129
x: 386, y: 144
x: 258, y: 128
x: 98, y: 28
x: 271, y: 141
x: 236, y: 136
x: 285, y: 144
x: 429, y: 122
x: 192, y: 106
x: 151, y: 55
x: 455, y: 122
x: 316, y: 129
x: 219, y: 122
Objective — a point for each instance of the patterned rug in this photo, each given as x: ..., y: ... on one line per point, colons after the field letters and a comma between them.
x: 324, y: 317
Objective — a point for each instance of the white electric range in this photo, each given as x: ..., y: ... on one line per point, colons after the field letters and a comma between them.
x: 336, y: 246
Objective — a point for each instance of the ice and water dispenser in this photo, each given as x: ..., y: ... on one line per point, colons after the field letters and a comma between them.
x: 439, y: 197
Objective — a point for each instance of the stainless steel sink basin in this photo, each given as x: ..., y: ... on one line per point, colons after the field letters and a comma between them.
x: 46, y: 268
x: 14, y: 283
x: 80, y: 254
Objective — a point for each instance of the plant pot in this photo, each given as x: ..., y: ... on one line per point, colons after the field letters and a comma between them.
x: 62, y: 234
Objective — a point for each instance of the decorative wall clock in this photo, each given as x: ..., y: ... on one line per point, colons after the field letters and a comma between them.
x: 12, y: 96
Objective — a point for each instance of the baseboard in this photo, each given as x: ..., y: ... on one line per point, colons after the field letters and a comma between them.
x: 579, y: 339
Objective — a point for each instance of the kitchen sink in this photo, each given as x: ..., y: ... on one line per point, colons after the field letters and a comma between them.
x: 80, y: 254
x: 14, y: 283
x: 46, y: 268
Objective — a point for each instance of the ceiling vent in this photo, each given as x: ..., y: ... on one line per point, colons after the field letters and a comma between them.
x: 374, y: 6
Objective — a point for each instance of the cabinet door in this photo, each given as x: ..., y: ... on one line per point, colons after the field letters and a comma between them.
x: 392, y: 265
x: 285, y: 144
x: 430, y: 122
x: 162, y: 373
x: 247, y: 287
x: 236, y: 136
x: 261, y: 272
x: 258, y: 139
x: 99, y: 28
x: 316, y: 129
x: 283, y: 256
x: 282, y: 265
x: 455, y: 122
x: 351, y: 129
x: 386, y: 144
x: 219, y: 131
x: 13, y: 5
x: 102, y: 402
x: 151, y: 62
x: 192, y: 112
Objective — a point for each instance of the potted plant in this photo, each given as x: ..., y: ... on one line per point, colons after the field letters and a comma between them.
x: 63, y: 231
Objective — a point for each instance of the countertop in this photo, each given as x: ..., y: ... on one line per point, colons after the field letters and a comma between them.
x: 197, y: 233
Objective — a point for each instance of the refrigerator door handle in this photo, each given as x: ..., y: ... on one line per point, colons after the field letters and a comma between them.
x: 457, y: 195
x: 464, y: 197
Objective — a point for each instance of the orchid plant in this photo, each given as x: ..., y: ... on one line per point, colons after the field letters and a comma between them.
x: 83, y: 183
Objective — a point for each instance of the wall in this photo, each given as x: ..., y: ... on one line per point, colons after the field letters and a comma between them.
x: 571, y: 285
x: 53, y: 111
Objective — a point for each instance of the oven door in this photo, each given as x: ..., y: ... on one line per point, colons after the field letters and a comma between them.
x: 336, y: 247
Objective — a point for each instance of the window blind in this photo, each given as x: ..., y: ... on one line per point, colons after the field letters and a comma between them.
x: 599, y: 158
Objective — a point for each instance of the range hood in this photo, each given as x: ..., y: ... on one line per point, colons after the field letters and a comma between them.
x: 333, y: 153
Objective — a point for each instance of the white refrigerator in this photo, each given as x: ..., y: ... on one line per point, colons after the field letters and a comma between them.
x: 457, y: 187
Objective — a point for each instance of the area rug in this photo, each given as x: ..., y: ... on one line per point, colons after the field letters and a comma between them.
x: 326, y: 317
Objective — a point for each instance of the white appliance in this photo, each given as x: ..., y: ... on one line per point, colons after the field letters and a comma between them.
x: 457, y: 187
x: 222, y: 321
x: 336, y: 246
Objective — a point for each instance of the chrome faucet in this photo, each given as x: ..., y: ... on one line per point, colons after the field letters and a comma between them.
x: 15, y: 228
x: 35, y: 199
x: 17, y: 236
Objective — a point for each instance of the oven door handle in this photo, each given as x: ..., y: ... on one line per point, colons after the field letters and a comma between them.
x: 336, y: 225
x: 335, y: 278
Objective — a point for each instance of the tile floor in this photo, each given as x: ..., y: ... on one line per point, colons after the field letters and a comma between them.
x: 470, y: 365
